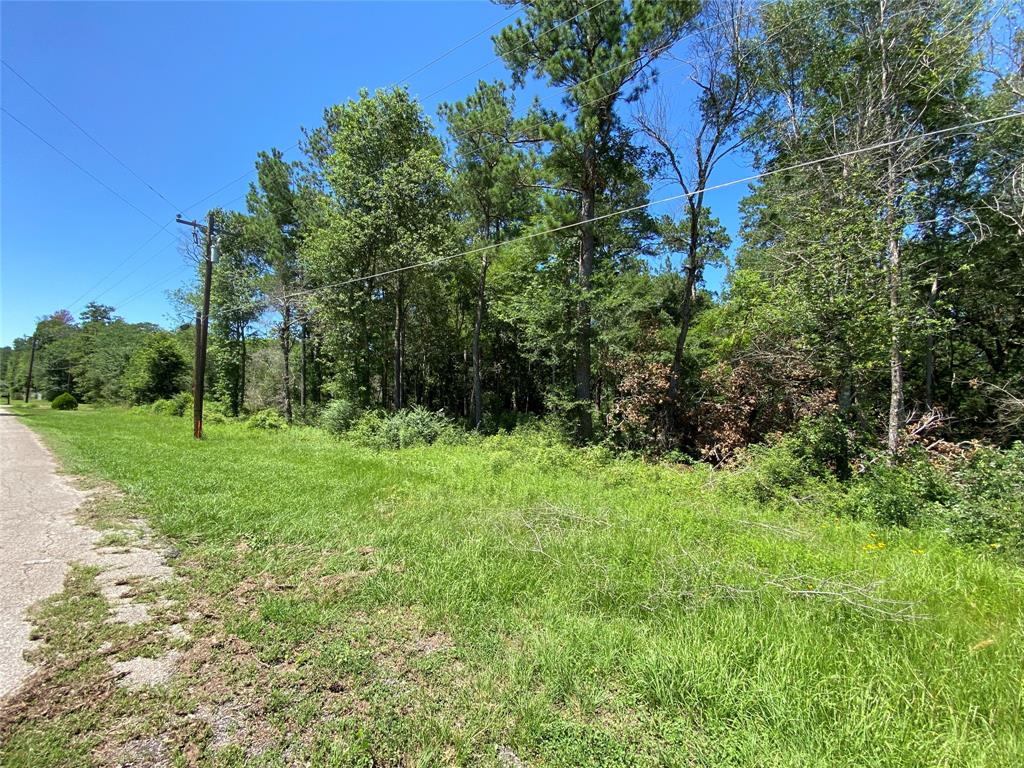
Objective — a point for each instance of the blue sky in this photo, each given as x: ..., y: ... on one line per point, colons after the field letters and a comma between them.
x: 185, y: 94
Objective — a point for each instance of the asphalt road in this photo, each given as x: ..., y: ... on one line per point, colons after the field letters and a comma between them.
x: 38, y: 540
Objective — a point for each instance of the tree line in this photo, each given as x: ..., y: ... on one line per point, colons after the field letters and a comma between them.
x: 512, y: 267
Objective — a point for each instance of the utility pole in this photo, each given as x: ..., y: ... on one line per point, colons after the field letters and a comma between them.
x: 202, y: 325
x: 31, y: 362
x: 7, y: 371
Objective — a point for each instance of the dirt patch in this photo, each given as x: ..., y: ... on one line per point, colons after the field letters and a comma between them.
x: 140, y: 671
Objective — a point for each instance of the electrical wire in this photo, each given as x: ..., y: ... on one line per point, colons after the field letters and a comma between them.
x: 516, y: 48
x: 671, y: 198
x: 88, y: 135
x: 78, y: 165
x: 453, y: 49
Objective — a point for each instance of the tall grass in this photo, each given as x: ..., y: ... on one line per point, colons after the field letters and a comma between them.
x: 603, y: 612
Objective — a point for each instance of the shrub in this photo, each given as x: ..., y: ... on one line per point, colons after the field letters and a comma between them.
x: 405, y: 429
x: 824, y: 444
x: 779, y: 472
x: 307, y: 415
x: 268, y: 418
x: 157, y: 370
x: 64, y: 402
x: 988, y: 506
x: 162, y: 407
x: 339, y: 416
x: 911, y: 492
x: 181, y: 404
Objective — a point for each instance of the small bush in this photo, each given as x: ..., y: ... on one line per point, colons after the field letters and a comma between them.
x: 909, y: 493
x: 339, y: 416
x: 988, y: 506
x: 64, y: 402
x: 405, y: 429
x: 307, y: 415
x: 181, y: 404
x: 780, y: 473
x: 824, y: 444
x: 162, y: 407
x: 268, y: 418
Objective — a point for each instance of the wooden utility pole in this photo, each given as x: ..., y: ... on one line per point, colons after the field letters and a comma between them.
x: 31, y: 362
x: 202, y: 327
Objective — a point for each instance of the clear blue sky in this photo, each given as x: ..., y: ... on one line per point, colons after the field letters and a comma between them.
x: 186, y: 94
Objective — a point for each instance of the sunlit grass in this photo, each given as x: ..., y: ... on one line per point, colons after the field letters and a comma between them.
x: 599, y: 612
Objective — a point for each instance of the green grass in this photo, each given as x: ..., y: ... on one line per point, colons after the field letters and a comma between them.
x: 432, y: 605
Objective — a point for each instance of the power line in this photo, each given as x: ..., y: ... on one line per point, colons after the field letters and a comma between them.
x: 139, y: 266
x: 92, y: 138
x: 516, y: 48
x: 156, y: 283
x: 454, y: 48
x: 120, y: 264
x: 421, y: 69
x: 75, y: 163
x: 232, y: 183
x: 709, y: 188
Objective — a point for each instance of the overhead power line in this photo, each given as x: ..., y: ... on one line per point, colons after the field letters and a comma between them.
x: 88, y: 135
x: 231, y: 183
x: 454, y: 48
x: 551, y: 29
x: 672, y: 198
x: 158, y: 283
x: 78, y: 165
x: 416, y: 72
x: 118, y: 266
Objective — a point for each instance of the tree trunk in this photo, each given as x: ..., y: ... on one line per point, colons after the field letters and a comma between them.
x: 241, y: 386
x: 585, y: 425
x: 286, y: 349
x: 481, y: 308
x: 929, y: 356
x: 399, y: 362
x: 686, y: 305
x: 302, y: 372
x: 897, y: 414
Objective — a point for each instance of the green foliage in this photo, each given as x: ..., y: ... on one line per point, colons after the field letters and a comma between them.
x: 179, y: 405
x: 182, y: 404
x: 268, y: 418
x: 405, y: 429
x: 807, y: 463
x: 157, y: 370
x: 524, y: 586
x: 988, y: 508
x: 907, y: 493
x: 64, y: 402
x: 162, y: 407
x: 339, y: 416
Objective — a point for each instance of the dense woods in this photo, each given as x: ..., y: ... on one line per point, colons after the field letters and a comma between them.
x: 502, y: 260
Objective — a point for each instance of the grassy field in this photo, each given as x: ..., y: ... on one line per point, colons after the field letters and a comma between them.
x: 509, y: 600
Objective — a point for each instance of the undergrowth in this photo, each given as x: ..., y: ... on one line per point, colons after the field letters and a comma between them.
x: 510, y: 595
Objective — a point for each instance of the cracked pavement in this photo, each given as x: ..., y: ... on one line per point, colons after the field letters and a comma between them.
x: 39, y: 539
